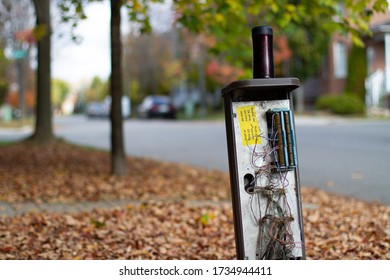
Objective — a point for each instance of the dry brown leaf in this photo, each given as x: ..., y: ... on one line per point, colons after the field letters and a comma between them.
x: 337, y: 228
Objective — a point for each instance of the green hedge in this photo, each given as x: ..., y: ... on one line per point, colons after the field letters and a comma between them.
x: 345, y: 104
x: 357, y: 72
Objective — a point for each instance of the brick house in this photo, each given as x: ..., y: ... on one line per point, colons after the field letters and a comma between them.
x: 378, y: 63
x: 332, y: 76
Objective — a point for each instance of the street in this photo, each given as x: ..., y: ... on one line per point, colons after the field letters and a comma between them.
x: 345, y: 156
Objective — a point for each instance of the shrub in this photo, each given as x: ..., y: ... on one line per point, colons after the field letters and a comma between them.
x: 325, y: 102
x: 345, y: 104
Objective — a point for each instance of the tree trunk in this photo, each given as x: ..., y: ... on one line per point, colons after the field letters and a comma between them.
x: 43, y: 125
x: 118, y: 159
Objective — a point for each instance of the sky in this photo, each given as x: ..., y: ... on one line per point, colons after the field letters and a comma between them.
x: 79, y: 63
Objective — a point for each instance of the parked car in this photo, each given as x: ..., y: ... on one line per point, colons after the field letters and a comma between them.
x: 102, y: 109
x: 97, y: 109
x: 157, y: 107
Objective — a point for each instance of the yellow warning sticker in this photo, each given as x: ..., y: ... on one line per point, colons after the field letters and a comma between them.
x: 249, y: 125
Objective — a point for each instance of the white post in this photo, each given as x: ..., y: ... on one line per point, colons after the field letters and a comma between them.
x: 387, y: 62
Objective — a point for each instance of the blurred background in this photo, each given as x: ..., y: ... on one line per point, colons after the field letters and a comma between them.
x: 190, y: 68
x: 177, y: 56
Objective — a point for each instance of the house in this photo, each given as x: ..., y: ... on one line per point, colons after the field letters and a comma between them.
x: 378, y: 63
x: 332, y: 78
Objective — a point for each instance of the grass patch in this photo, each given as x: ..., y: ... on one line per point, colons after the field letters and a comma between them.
x: 17, y: 123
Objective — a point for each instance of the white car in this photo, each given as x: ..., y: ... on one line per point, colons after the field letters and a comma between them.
x: 103, y: 108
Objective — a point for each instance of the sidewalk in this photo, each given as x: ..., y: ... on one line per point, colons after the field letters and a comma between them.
x: 16, y: 209
x: 15, y: 133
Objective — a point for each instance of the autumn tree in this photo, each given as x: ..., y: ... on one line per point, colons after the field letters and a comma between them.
x: 97, y: 90
x: 146, y: 58
x: 43, y: 125
x: 118, y: 158
x: 137, y: 11
x: 60, y: 89
x: 16, y: 36
x: 230, y: 21
x: 306, y: 23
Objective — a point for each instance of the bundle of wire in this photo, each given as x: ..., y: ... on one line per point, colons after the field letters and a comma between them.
x: 269, y: 188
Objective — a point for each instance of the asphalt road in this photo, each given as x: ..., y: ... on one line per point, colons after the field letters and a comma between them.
x: 348, y: 157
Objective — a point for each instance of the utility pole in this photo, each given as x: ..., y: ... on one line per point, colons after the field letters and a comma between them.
x: 19, y: 55
x: 263, y: 159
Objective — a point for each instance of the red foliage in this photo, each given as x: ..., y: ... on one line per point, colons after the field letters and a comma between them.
x: 222, y: 73
x: 281, y: 51
x: 26, y: 35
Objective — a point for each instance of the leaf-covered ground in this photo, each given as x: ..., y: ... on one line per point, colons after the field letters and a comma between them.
x: 335, y: 228
x: 60, y: 172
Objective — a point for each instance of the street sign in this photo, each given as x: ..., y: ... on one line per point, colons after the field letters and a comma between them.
x: 18, y: 54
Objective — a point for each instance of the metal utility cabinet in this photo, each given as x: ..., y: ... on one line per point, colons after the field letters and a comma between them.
x: 263, y: 160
